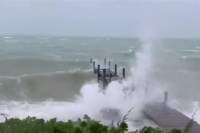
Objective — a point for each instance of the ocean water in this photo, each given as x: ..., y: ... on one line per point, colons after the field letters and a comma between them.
x: 52, y: 76
x: 41, y: 68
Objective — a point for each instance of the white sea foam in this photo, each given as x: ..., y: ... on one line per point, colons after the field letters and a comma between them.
x: 184, y: 57
x: 130, y: 50
x: 7, y: 37
x: 93, y: 101
x: 191, y: 50
x: 127, y: 51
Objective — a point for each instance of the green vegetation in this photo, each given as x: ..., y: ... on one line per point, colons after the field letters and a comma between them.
x: 85, y: 125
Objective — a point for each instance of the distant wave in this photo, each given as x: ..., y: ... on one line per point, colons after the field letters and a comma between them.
x: 184, y: 57
x: 59, y: 86
x: 191, y: 57
x: 7, y: 37
x: 128, y: 51
x: 191, y: 50
x: 19, y: 66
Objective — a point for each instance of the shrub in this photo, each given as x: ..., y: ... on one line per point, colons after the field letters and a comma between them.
x: 85, y: 125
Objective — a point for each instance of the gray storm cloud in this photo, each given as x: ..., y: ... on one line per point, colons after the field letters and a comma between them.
x: 99, y: 17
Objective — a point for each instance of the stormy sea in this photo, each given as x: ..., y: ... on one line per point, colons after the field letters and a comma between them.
x: 51, y: 77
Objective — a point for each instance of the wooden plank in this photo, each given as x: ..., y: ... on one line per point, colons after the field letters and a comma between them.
x: 168, y: 118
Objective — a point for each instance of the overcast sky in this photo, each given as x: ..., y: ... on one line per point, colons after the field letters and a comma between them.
x: 126, y: 18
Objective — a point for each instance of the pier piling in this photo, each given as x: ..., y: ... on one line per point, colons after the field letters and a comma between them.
x: 98, y: 72
x: 94, y: 69
x: 104, y: 78
x: 123, y: 72
x: 115, y: 69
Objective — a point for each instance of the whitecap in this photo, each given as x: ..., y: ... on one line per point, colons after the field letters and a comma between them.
x: 184, y: 57
x: 7, y: 37
x: 191, y: 50
x: 107, y: 39
x: 130, y: 50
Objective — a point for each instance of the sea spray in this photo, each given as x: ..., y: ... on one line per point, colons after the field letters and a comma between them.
x: 122, y: 96
x: 118, y: 96
x: 140, y: 73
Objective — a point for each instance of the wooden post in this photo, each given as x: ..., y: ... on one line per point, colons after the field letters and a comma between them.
x: 110, y: 76
x: 123, y: 72
x: 110, y: 72
x: 94, y: 69
x: 98, y: 72
x: 115, y: 69
x: 90, y: 61
x: 166, y: 97
x: 105, y: 63
x: 104, y: 78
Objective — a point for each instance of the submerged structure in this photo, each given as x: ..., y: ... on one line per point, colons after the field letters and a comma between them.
x: 105, y: 74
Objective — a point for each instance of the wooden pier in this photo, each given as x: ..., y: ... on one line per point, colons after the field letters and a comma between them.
x: 167, y: 118
x: 105, y: 75
x: 160, y: 113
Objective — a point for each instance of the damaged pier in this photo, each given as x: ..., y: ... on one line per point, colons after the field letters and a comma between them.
x: 105, y: 74
x: 168, y: 118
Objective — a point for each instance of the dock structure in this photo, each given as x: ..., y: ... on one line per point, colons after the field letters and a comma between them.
x: 168, y: 118
x: 105, y: 74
